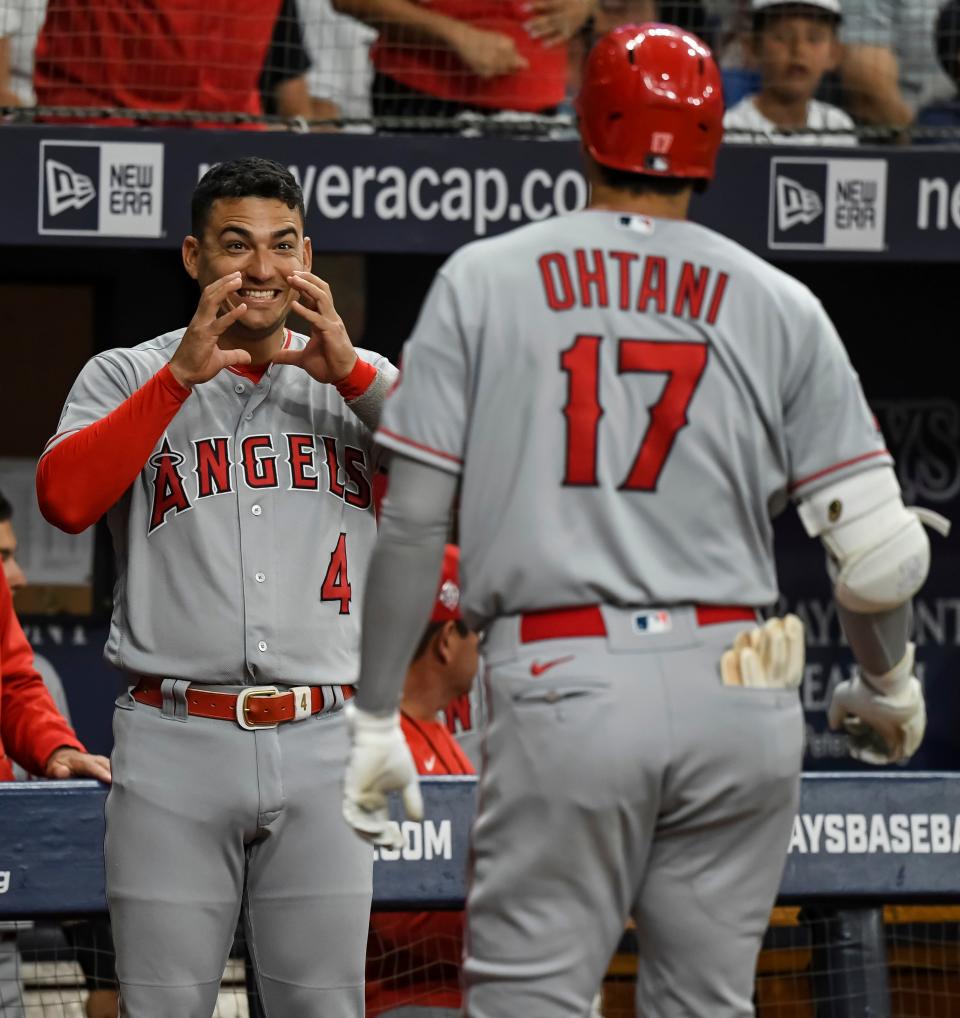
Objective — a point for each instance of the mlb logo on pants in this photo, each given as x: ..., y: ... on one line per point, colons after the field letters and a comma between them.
x: 652, y: 622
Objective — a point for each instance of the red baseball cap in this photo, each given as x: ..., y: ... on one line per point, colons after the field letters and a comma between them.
x: 447, y: 604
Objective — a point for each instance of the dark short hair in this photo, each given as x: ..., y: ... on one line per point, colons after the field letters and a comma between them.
x: 645, y: 183
x: 770, y: 15
x: 432, y: 629
x: 249, y: 177
x: 6, y: 510
x: 947, y: 38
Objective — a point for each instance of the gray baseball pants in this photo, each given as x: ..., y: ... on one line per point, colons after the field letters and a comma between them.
x: 203, y: 815
x: 624, y: 779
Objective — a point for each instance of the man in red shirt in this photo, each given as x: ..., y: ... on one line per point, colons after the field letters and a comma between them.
x: 37, y: 736
x: 154, y: 55
x: 65, y: 762
x: 449, y: 56
x: 32, y: 731
x: 413, y: 958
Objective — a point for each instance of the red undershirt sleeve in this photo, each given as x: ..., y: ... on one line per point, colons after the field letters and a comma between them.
x: 358, y: 381
x: 87, y: 472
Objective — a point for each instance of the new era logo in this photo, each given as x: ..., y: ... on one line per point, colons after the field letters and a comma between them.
x: 827, y: 203
x: 100, y: 188
x: 796, y: 204
x: 67, y: 189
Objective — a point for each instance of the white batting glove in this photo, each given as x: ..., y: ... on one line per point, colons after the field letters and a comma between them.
x: 770, y: 656
x: 379, y: 762
x: 884, y: 715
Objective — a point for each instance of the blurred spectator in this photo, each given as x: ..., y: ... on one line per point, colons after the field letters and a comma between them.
x: 946, y: 112
x: 413, y: 958
x: 34, y: 734
x: 610, y: 14
x: 283, y: 81
x: 156, y: 55
x: 20, y: 22
x: 445, y: 57
x: 794, y: 45
x: 16, y: 578
x: 732, y: 50
x: 341, y: 74
x: 607, y: 15
x: 90, y: 939
x: 690, y: 15
x: 889, y: 68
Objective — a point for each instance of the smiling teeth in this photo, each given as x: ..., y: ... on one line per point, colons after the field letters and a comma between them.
x: 256, y: 294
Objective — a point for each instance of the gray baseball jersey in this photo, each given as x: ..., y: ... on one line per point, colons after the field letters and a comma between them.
x: 627, y: 401
x: 638, y: 392
x: 242, y: 546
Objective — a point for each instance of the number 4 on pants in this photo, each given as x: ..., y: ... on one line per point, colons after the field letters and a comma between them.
x: 682, y: 362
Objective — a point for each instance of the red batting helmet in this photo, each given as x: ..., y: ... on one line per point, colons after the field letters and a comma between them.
x: 652, y: 102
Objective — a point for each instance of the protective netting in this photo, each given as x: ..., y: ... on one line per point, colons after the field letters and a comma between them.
x: 818, y: 962
x: 855, y: 69
x: 821, y: 963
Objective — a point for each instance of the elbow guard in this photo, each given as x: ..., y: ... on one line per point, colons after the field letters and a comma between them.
x: 878, y: 551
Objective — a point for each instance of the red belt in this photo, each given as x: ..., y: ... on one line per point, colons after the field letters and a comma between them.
x: 587, y: 620
x: 253, y: 707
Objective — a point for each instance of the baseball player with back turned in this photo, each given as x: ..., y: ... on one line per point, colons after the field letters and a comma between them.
x: 625, y: 397
x: 234, y: 461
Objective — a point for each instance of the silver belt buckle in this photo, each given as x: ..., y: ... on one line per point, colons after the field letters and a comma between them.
x: 254, y: 692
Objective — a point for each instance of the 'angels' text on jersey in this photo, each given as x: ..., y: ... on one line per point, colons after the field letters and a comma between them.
x: 215, y: 465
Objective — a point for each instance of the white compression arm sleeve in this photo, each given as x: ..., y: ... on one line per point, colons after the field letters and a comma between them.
x: 369, y: 406
x: 403, y: 578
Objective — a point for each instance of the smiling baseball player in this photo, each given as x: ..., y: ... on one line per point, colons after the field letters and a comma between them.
x: 234, y: 461
x: 623, y: 398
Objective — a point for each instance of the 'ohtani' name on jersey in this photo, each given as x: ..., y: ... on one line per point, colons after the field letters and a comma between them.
x: 214, y: 467
x: 631, y: 282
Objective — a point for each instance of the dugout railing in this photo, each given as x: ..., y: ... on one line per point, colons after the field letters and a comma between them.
x: 867, y: 893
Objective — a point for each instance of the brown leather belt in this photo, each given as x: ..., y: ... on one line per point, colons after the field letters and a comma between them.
x: 255, y: 706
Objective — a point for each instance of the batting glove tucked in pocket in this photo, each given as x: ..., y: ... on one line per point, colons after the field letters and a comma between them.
x: 770, y: 656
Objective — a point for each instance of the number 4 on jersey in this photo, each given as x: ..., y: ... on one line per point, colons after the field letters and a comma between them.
x: 682, y: 362
x: 336, y: 584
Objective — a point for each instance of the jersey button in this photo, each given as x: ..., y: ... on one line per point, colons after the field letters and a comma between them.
x: 260, y: 577
x: 238, y: 388
x: 262, y: 645
x: 248, y: 417
x: 256, y: 510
